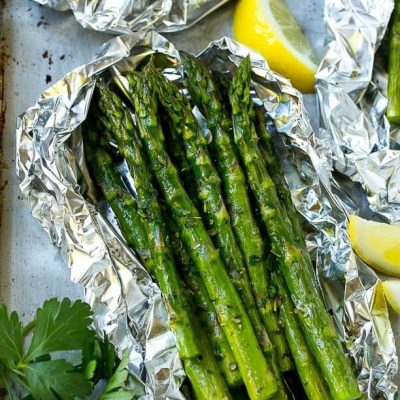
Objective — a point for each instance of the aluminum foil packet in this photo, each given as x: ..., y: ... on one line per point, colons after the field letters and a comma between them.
x: 356, y: 143
x: 351, y: 89
x: 125, y: 16
x: 126, y: 303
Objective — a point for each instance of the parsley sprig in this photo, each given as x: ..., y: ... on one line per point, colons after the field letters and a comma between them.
x: 58, y: 327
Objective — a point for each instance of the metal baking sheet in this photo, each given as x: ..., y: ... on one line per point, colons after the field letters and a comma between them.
x: 40, y: 46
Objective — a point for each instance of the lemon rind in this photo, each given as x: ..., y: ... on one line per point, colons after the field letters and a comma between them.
x: 271, y: 20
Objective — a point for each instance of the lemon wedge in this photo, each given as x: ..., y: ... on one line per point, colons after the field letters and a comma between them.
x: 392, y: 293
x: 268, y: 27
x: 376, y: 243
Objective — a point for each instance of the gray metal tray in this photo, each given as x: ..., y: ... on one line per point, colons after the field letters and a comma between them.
x: 40, y: 46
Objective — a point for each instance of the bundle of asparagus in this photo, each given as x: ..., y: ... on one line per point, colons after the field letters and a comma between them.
x: 245, y: 309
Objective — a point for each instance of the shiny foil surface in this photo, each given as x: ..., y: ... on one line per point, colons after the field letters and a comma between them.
x: 127, y: 304
x: 356, y: 144
x: 125, y: 16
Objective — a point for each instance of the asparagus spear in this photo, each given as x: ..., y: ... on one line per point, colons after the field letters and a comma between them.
x: 119, y: 122
x: 202, y: 369
x: 312, y: 382
x: 393, y: 109
x: 176, y: 150
x: 206, y: 96
x: 275, y: 171
x: 315, y: 320
x: 205, y: 308
x: 185, y: 126
x: 205, y: 374
x: 121, y: 202
x: 255, y: 372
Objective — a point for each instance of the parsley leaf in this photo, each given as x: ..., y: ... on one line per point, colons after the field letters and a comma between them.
x: 116, y: 382
x: 108, y: 357
x: 59, y: 327
x: 11, y: 343
x: 99, y: 359
x: 51, y: 380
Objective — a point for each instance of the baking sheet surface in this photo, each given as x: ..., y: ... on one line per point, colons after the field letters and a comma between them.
x: 42, y: 45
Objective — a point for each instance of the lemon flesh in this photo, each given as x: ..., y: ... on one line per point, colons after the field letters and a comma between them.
x: 392, y: 293
x: 268, y: 27
x: 377, y: 244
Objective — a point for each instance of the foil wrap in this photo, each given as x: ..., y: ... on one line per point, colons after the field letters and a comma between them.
x: 125, y: 16
x: 357, y: 144
x: 126, y: 303
x: 351, y: 89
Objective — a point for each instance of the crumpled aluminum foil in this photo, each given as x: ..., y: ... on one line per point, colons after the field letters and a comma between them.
x: 351, y: 91
x: 355, y: 141
x: 126, y: 302
x: 125, y: 16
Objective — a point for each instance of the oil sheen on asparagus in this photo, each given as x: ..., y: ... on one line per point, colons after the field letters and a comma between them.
x: 209, y: 195
x: 256, y: 374
x: 206, y: 96
x: 205, y: 308
x: 315, y: 320
x: 195, y: 350
x: 212, y: 220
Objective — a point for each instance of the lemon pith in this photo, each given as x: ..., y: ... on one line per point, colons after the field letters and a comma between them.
x: 377, y: 244
x: 392, y: 293
x: 268, y: 27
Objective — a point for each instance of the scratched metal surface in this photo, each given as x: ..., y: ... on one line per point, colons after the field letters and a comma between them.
x: 42, y: 45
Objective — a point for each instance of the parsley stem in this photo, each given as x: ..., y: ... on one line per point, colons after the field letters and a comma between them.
x: 28, y: 328
x: 5, y: 384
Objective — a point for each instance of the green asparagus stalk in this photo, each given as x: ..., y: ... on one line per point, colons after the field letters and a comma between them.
x: 117, y: 119
x: 315, y: 320
x: 255, y: 372
x: 121, y: 202
x: 185, y: 126
x: 393, y: 109
x: 176, y: 150
x: 206, y: 96
x: 275, y: 171
x: 202, y: 369
x: 312, y: 382
x: 205, y: 309
x: 205, y: 374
